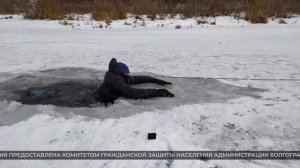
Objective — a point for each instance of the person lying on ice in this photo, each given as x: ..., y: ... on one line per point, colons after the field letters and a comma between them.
x: 117, y: 82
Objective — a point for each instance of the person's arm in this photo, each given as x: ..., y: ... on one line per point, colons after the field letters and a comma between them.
x: 133, y: 93
x: 146, y: 79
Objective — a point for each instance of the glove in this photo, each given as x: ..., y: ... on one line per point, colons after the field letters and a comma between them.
x: 164, y: 93
x: 162, y: 82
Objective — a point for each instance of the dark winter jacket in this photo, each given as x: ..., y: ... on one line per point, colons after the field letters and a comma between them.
x: 114, y: 86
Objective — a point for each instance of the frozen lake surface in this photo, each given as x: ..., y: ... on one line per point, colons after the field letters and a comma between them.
x: 236, y: 87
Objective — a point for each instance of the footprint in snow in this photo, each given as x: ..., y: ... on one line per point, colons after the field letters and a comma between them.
x: 53, y: 140
x: 230, y: 126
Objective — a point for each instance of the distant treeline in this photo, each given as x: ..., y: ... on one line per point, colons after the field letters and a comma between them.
x: 253, y: 10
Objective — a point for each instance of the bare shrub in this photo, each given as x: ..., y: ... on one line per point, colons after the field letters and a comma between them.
x: 260, y: 9
x: 22, y: 6
x: 256, y: 12
x: 257, y: 17
x: 45, y: 9
x: 7, y: 7
x: 147, y: 7
x: 108, y: 11
x: 78, y: 6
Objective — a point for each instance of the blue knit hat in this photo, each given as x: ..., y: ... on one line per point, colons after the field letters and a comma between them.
x: 122, y: 68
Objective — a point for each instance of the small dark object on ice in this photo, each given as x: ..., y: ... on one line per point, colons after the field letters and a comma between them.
x: 178, y: 27
x: 151, y: 136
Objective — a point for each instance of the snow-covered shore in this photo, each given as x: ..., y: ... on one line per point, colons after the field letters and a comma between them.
x: 229, y: 49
